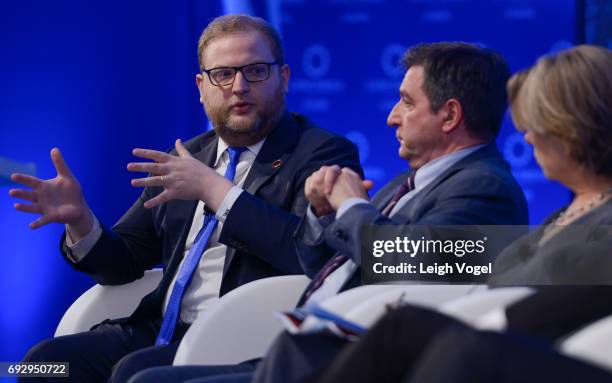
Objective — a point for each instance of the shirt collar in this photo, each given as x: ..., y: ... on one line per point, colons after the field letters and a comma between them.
x: 222, y: 147
x: 428, y: 172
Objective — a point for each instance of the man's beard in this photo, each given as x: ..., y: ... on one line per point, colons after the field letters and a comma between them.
x: 243, y: 131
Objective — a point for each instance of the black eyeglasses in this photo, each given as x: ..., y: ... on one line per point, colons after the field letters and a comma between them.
x: 255, y: 72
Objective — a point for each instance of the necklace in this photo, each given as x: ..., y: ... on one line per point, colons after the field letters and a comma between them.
x: 567, y: 216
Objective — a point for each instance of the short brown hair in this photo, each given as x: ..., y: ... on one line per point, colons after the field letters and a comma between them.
x: 473, y: 75
x: 228, y: 24
x: 569, y: 95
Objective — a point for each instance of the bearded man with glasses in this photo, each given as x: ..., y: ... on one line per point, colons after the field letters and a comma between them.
x: 217, y: 211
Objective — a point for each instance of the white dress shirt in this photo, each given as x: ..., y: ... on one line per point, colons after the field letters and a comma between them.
x: 206, y: 281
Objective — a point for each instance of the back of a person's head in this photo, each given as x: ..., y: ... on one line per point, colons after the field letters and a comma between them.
x: 228, y: 24
x: 473, y: 75
x: 569, y: 95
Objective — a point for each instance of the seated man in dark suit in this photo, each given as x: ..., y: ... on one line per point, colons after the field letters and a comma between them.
x: 216, y: 212
x: 567, y: 261
x: 452, y: 101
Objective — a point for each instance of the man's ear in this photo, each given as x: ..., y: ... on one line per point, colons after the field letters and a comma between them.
x: 199, y: 79
x: 452, y: 115
x: 285, y: 73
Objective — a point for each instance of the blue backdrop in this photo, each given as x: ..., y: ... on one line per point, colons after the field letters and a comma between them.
x: 97, y: 79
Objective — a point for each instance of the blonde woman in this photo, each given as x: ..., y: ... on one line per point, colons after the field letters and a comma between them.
x: 564, y: 106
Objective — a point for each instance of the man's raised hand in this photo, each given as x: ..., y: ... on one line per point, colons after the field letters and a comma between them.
x: 58, y: 199
x: 182, y: 177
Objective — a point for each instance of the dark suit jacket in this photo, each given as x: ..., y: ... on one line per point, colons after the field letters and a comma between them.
x: 477, y: 190
x: 258, y: 230
x: 578, y: 254
x: 556, y: 311
x: 462, y: 355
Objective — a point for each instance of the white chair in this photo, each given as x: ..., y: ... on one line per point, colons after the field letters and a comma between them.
x: 473, y: 307
x: 370, y: 310
x: 342, y: 303
x: 238, y: 326
x: 104, y: 302
x: 241, y: 326
x: 592, y: 344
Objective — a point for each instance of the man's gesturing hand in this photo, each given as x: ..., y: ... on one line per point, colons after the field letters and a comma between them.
x: 59, y: 199
x: 182, y: 177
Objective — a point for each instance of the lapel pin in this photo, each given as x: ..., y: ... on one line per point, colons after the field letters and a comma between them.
x: 276, y: 164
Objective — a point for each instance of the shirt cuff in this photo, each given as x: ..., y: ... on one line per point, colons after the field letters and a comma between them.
x: 228, y: 202
x: 349, y: 203
x: 79, y: 250
x: 315, y: 226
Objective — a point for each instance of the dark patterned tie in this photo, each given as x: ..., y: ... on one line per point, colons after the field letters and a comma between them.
x: 403, y: 189
x: 318, y: 280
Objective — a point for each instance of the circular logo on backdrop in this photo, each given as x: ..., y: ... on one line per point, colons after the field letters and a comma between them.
x: 316, y: 61
x: 517, y: 151
x: 390, y: 60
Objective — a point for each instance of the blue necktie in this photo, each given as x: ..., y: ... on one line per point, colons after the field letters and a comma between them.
x: 192, y: 260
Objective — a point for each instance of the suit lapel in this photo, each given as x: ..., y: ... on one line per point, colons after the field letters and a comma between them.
x: 181, y: 211
x: 273, y: 154
x: 384, y: 195
x: 409, y: 210
x: 208, y: 149
x: 489, y: 150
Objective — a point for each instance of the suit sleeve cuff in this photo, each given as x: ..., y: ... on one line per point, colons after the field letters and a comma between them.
x: 228, y: 202
x: 79, y: 250
x: 349, y: 203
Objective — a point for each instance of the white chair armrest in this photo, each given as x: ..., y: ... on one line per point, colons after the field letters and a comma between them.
x: 104, y: 302
x: 494, y: 320
x: 241, y: 326
x: 472, y: 307
x: 592, y: 344
x: 368, y: 311
x: 344, y: 302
